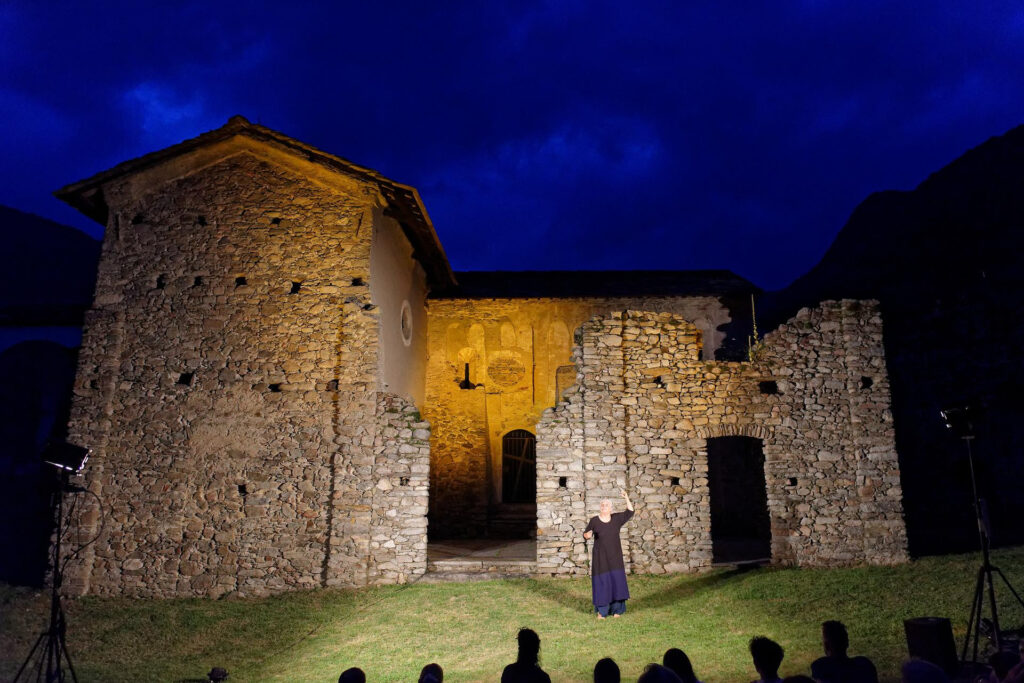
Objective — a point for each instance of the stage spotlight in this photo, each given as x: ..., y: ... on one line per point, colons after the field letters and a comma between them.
x: 66, y: 456
x: 960, y: 420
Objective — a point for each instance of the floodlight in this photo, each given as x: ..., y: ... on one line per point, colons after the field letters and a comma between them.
x: 66, y: 456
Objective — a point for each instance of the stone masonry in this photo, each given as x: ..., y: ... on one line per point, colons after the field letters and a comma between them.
x: 233, y: 385
x: 645, y: 405
x: 228, y: 385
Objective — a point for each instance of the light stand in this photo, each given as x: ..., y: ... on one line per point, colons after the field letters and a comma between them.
x: 51, y: 644
x: 961, y: 422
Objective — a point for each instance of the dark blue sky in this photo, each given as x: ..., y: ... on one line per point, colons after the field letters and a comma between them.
x: 555, y: 135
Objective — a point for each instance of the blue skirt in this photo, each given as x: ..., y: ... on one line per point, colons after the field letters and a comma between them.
x: 609, y: 587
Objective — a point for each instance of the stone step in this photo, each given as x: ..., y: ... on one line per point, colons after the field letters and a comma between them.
x: 478, y: 565
x: 456, y: 578
x: 440, y: 571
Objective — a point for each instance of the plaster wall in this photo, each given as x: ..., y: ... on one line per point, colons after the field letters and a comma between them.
x: 398, y: 288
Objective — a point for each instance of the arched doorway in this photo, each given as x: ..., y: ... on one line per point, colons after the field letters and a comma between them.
x: 740, y: 526
x: 519, y: 467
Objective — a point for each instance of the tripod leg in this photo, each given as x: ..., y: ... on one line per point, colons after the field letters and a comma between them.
x: 41, y: 667
x: 996, y: 634
x: 28, y: 659
x: 67, y: 658
x: 973, y: 623
x: 999, y: 571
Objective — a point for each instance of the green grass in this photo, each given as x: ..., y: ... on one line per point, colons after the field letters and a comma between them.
x: 470, y: 629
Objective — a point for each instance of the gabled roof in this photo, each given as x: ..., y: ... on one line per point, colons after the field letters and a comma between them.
x: 404, y: 203
x: 566, y: 284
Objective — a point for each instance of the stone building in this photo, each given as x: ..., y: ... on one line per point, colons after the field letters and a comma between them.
x: 285, y: 386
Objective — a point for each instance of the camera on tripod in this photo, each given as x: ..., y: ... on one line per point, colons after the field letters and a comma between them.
x: 962, y: 421
x: 50, y: 650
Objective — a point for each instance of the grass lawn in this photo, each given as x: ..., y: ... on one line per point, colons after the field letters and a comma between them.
x: 391, y: 632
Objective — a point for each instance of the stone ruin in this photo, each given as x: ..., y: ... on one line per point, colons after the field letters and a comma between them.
x: 269, y: 383
x: 645, y: 406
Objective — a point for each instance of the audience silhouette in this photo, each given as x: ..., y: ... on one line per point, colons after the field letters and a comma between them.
x: 432, y: 673
x: 656, y: 673
x: 836, y: 666
x: 353, y: 675
x: 767, y: 656
x: 526, y: 668
x: 921, y: 671
x: 677, y: 660
x: 606, y: 671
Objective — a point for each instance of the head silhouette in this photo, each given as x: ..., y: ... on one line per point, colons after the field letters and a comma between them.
x: 353, y: 675
x: 677, y: 660
x: 606, y: 671
x: 834, y: 638
x: 767, y: 656
x: 920, y: 671
x: 656, y: 673
x: 529, y: 646
x: 432, y: 673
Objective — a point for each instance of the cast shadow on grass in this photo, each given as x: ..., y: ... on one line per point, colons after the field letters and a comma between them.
x: 568, y: 595
x: 561, y: 592
x: 687, y: 586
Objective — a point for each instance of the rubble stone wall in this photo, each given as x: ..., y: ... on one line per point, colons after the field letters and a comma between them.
x: 398, y: 531
x: 645, y: 405
x: 229, y: 388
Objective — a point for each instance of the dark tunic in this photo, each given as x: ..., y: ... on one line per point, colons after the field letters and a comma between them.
x: 524, y: 672
x: 844, y: 670
x: 607, y: 570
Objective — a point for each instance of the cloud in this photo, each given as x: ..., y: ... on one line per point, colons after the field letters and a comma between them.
x: 160, y: 111
x: 504, y: 203
x: 612, y: 147
x: 540, y: 133
x: 29, y: 120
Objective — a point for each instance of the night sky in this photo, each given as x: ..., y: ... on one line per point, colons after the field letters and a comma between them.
x: 560, y: 135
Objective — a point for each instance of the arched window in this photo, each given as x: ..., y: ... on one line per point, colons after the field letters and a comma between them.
x: 519, y: 467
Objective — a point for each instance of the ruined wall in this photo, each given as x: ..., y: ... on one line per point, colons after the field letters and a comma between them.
x: 229, y: 386
x: 645, y: 406
x: 835, y: 438
x: 514, y: 348
x: 398, y: 531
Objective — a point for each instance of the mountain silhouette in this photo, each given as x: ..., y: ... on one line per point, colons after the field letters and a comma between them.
x: 944, y: 260
x: 49, y: 271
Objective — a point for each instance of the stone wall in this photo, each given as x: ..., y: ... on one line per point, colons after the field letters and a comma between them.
x: 645, y: 405
x: 229, y: 388
x: 514, y: 349
x: 398, y: 531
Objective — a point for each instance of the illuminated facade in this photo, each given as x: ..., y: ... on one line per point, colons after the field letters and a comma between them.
x: 284, y: 382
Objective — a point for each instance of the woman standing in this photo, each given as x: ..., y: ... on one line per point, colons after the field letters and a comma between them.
x: 607, y: 569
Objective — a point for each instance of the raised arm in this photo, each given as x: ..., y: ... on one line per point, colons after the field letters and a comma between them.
x: 629, y: 505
